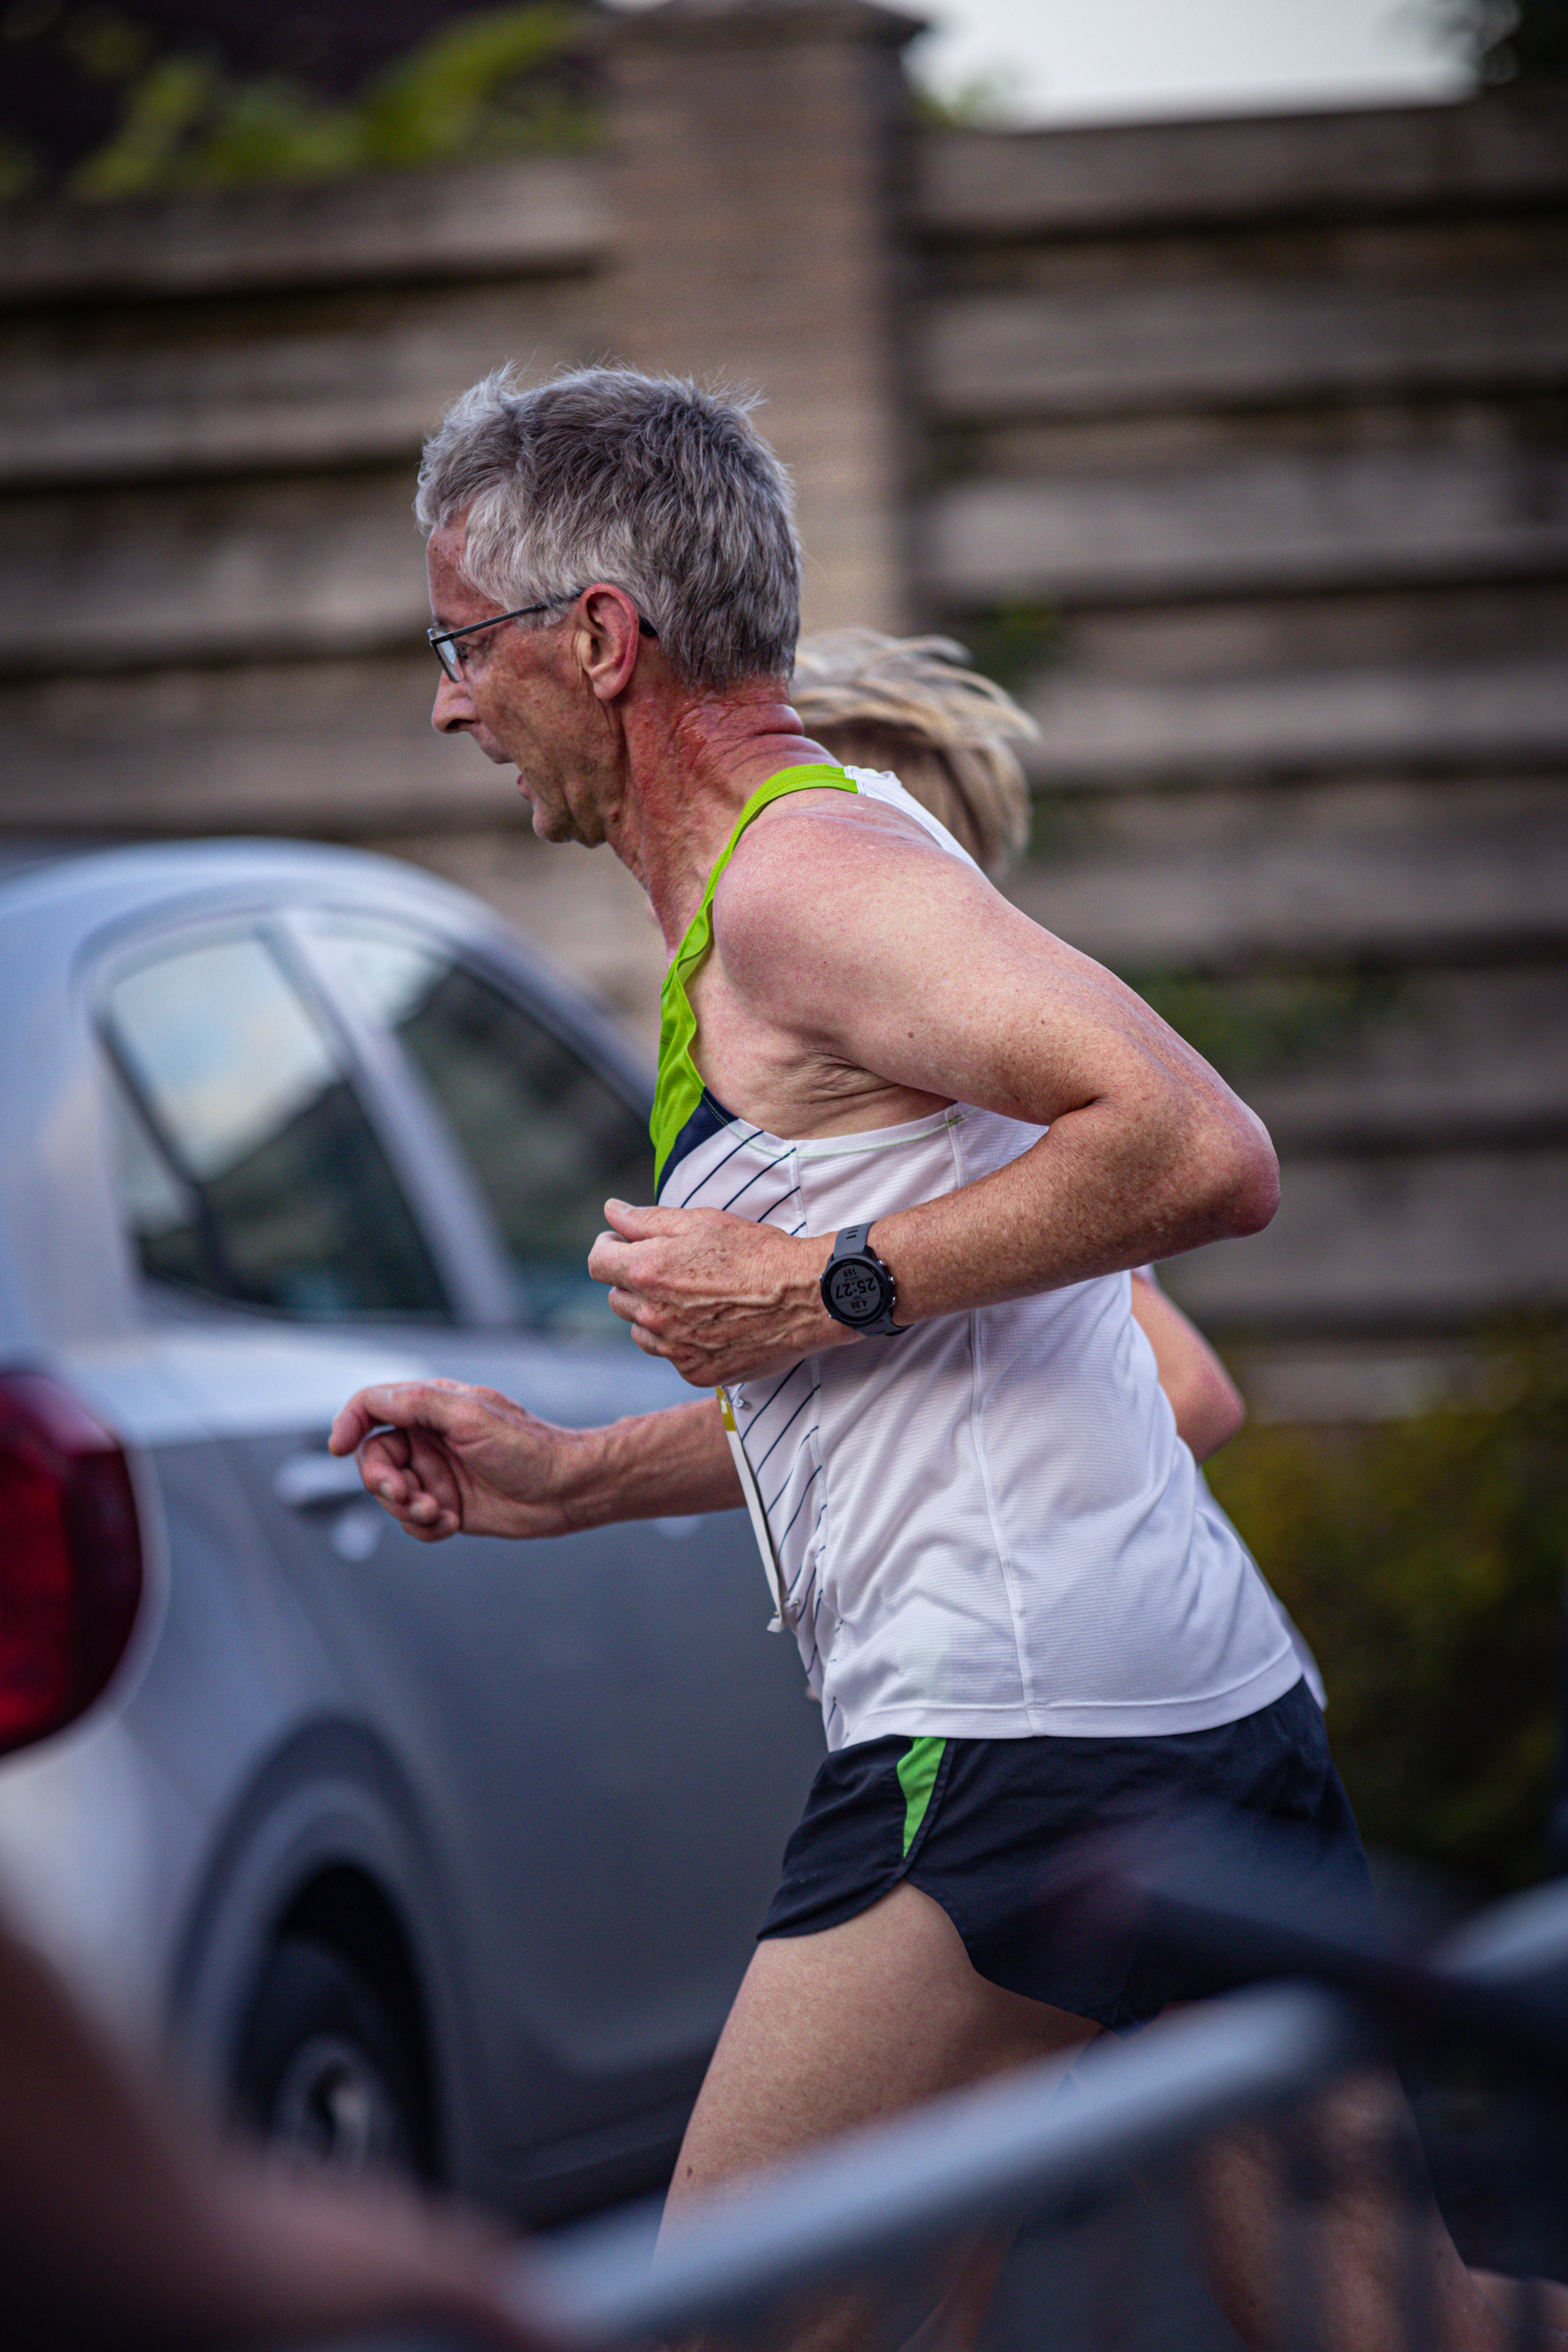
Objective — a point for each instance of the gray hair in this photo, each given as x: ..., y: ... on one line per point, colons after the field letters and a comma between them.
x: 905, y: 703
x: 648, y: 482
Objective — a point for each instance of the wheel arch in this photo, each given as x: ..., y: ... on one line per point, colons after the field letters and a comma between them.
x: 327, y: 1840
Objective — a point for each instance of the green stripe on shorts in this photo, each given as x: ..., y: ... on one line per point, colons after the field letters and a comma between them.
x: 917, y: 1778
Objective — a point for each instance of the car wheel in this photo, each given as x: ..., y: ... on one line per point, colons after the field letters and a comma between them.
x: 321, y: 2069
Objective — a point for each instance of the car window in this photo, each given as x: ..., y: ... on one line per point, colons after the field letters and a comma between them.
x: 248, y: 1168
x: 547, y: 1138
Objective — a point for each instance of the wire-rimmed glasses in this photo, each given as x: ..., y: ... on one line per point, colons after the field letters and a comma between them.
x: 444, y: 646
x: 443, y: 642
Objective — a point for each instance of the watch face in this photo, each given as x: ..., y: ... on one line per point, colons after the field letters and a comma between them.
x: 857, y: 1292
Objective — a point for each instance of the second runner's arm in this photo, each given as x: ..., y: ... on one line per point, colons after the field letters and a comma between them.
x: 1208, y: 1405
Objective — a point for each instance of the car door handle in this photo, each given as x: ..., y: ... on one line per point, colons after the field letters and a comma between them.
x: 306, y: 1481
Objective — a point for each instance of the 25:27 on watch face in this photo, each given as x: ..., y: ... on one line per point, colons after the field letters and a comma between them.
x: 856, y: 1293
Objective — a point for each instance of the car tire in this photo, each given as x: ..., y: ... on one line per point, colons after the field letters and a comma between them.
x: 321, y: 2070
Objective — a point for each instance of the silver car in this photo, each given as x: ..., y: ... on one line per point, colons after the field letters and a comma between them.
x: 445, y: 1857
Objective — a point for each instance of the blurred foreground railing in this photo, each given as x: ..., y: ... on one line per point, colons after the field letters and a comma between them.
x: 1077, y: 2194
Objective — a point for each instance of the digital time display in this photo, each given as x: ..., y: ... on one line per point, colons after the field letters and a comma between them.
x: 856, y: 1293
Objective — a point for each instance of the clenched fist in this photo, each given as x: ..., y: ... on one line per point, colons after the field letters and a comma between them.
x: 459, y: 1460
x: 722, y: 1298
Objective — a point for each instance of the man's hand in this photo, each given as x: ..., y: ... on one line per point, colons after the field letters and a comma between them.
x: 722, y: 1298
x: 458, y: 1460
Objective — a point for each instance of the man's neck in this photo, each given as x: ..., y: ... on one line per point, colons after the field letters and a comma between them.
x: 693, y: 765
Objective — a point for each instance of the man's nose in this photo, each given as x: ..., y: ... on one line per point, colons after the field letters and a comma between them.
x: 452, y: 710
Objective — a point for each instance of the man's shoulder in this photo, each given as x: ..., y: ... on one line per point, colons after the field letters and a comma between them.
x: 816, y: 879
x: 788, y: 845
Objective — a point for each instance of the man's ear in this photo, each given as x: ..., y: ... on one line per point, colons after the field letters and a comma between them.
x: 607, y: 640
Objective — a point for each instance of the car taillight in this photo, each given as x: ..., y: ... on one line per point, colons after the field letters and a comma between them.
x: 70, y: 1558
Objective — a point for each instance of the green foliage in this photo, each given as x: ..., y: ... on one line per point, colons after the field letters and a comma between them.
x: 1012, y: 643
x: 1258, y: 1024
x: 17, y: 168
x: 485, y: 86
x: 105, y: 45
x: 472, y: 90
x: 1424, y: 1559
x: 982, y: 104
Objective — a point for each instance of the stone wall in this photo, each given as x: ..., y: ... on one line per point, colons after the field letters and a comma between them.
x: 1239, y: 447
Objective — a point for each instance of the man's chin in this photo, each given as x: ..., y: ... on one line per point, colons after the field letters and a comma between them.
x: 550, y: 825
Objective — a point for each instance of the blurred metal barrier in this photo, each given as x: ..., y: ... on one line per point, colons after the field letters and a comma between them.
x: 1067, y: 2207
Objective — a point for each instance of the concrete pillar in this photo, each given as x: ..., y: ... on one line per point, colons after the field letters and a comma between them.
x: 756, y: 166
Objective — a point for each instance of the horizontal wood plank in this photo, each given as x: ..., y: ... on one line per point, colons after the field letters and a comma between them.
x: 1423, y: 1059
x: 1093, y: 349
x: 1435, y: 1241
x: 548, y: 213
x: 1360, y: 1380
x: 1507, y: 149
x: 1310, y: 874
x: 263, y: 385
x: 230, y: 568
x: 1265, y: 522
x: 341, y: 747
x: 1396, y: 714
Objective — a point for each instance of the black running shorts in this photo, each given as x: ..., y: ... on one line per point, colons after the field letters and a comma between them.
x: 979, y: 1825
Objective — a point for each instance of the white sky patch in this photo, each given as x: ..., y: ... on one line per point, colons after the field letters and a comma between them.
x: 1087, y: 60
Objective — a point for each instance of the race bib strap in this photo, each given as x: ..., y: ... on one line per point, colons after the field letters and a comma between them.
x: 758, y: 1517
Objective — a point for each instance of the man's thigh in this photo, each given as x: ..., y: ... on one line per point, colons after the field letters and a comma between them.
x: 836, y: 2030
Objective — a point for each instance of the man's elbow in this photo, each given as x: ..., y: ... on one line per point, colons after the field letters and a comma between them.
x: 1245, y: 1182
x: 1257, y: 1194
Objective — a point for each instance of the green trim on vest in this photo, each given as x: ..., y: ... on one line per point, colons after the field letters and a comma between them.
x: 679, y: 1088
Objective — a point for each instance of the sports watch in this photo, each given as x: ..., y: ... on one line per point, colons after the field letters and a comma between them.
x: 858, y: 1289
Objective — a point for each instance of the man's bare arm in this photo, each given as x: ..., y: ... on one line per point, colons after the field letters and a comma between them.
x: 929, y: 979
x: 444, y: 1459
x: 925, y: 978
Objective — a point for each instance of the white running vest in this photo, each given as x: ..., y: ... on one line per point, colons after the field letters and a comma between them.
x: 987, y: 1527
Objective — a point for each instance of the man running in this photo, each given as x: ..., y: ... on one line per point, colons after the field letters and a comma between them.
x: 909, y: 1145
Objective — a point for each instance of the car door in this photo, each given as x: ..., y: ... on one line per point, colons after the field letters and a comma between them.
x: 353, y: 1152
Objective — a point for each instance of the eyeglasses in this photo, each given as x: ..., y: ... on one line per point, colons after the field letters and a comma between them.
x: 444, y: 646
x: 443, y: 642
